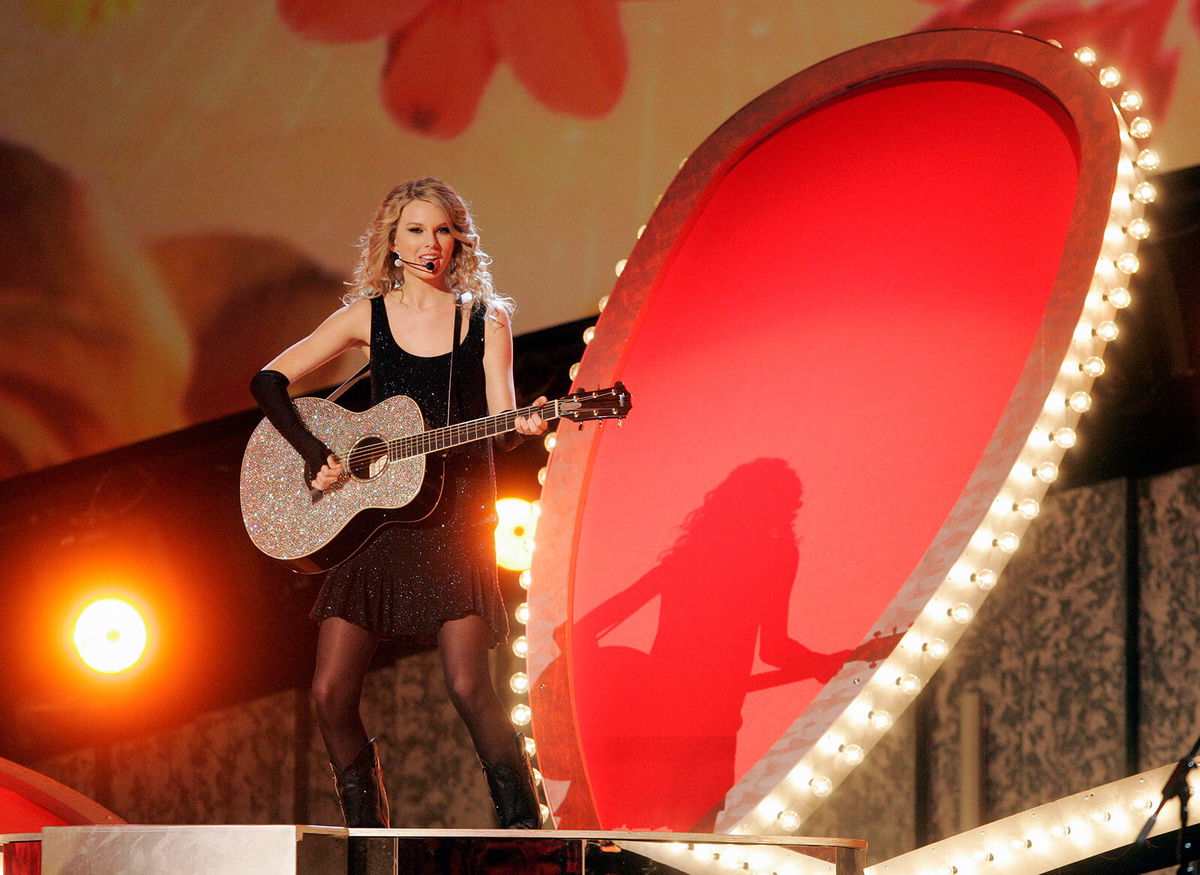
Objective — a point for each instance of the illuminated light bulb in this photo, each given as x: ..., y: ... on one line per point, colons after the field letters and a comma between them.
x: 589, y: 334
x: 1093, y: 366
x: 852, y: 753
x: 1145, y: 193
x: 525, y: 579
x: 530, y: 745
x: 820, y: 785
x: 1140, y: 128
x: 1061, y: 831
x: 1021, y: 844
x: 1138, y: 229
x: 788, y: 820
x: 1131, y: 100
x: 520, y: 646
x: 1007, y: 542
x: 1027, y: 509
x: 985, y: 579
x: 1064, y: 437
x: 110, y: 635
x: 1080, y: 402
x: 602, y: 303
x: 909, y: 684
x: 1110, y: 77
x: 522, y: 613
x: 1085, y: 56
x: 1147, y: 159
x: 879, y: 719
x: 514, y: 527
x: 1141, y: 804
x: 1107, y: 331
x: 619, y: 267
x: 520, y: 715
x: 1047, y: 472
x: 541, y: 476
x: 1119, y: 298
x: 982, y: 856
x: 1100, y: 817
x: 550, y: 441
x: 936, y: 648
x: 961, y: 613
x: 1127, y: 263
x: 519, y: 683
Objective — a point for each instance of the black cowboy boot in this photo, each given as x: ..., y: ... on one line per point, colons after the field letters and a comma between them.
x: 360, y: 790
x: 514, y: 793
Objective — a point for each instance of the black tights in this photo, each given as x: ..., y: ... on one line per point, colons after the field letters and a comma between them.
x: 344, y: 652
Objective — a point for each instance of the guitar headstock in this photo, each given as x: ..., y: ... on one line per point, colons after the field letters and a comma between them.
x: 612, y: 403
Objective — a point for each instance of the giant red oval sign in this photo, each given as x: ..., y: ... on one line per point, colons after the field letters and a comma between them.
x: 845, y: 329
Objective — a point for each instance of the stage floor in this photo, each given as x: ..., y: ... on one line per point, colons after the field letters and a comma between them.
x: 291, y: 849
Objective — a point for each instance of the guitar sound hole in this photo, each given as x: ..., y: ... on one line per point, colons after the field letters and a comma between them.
x: 369, y: 458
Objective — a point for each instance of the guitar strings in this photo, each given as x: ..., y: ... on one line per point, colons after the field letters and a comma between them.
x: 455, y: 432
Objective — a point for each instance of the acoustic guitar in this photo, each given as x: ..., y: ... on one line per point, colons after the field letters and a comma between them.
x: 392, y: 471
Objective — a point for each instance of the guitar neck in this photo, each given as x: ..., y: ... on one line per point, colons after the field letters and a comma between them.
x: 438, y: 439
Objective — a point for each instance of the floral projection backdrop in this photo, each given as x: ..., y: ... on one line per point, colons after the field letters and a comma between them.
x: 181, y: 184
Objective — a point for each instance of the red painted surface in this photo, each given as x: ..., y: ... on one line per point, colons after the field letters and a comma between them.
x: 816, y: 373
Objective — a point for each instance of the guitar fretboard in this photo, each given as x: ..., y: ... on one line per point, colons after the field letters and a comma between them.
x: 447, y: 436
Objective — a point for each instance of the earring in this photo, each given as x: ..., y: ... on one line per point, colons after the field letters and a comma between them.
x: 398, y: 260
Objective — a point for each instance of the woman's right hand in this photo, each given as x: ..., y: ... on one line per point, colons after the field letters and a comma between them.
x: 329, y: 474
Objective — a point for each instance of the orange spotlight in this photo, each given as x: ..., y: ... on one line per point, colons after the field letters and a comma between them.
x: 514, y: 533
x: 110, y: 635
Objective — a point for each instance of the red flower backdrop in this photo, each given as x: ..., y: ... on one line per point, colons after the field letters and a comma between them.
x: 1128, y: 34
x: 441, y: 55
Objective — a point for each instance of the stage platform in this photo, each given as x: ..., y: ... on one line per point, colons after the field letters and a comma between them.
x: 290, y: 850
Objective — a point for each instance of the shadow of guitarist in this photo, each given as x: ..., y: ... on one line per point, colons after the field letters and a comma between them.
x: 660, y: 743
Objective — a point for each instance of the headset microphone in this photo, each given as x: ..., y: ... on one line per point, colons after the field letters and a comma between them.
x: 427, y: 265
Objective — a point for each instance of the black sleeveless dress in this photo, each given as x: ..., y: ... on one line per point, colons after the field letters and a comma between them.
x: 409, y: 579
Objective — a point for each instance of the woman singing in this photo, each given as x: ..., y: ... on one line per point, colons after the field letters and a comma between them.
x: 434, y: 581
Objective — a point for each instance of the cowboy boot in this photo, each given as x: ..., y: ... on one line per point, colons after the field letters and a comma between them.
x: 360, y: 789
x: 514, y: 793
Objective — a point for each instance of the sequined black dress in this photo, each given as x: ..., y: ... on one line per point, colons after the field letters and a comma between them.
x: 409, y: 579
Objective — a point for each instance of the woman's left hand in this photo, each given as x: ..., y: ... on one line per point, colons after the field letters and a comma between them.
x: 532, y: 424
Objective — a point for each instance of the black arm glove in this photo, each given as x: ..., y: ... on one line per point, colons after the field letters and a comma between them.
x: 269, y: 389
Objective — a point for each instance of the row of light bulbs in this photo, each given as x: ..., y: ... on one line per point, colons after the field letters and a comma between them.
x: 976, y: 572
x: 1049, y: 836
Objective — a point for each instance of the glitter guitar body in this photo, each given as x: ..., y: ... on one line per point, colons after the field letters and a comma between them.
x: 387, y: 479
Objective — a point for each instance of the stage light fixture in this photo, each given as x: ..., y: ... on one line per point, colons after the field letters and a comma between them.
x: 513, y: 530
x: 110, y: 635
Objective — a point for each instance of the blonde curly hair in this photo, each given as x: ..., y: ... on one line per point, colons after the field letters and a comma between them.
x: 377, y: 274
